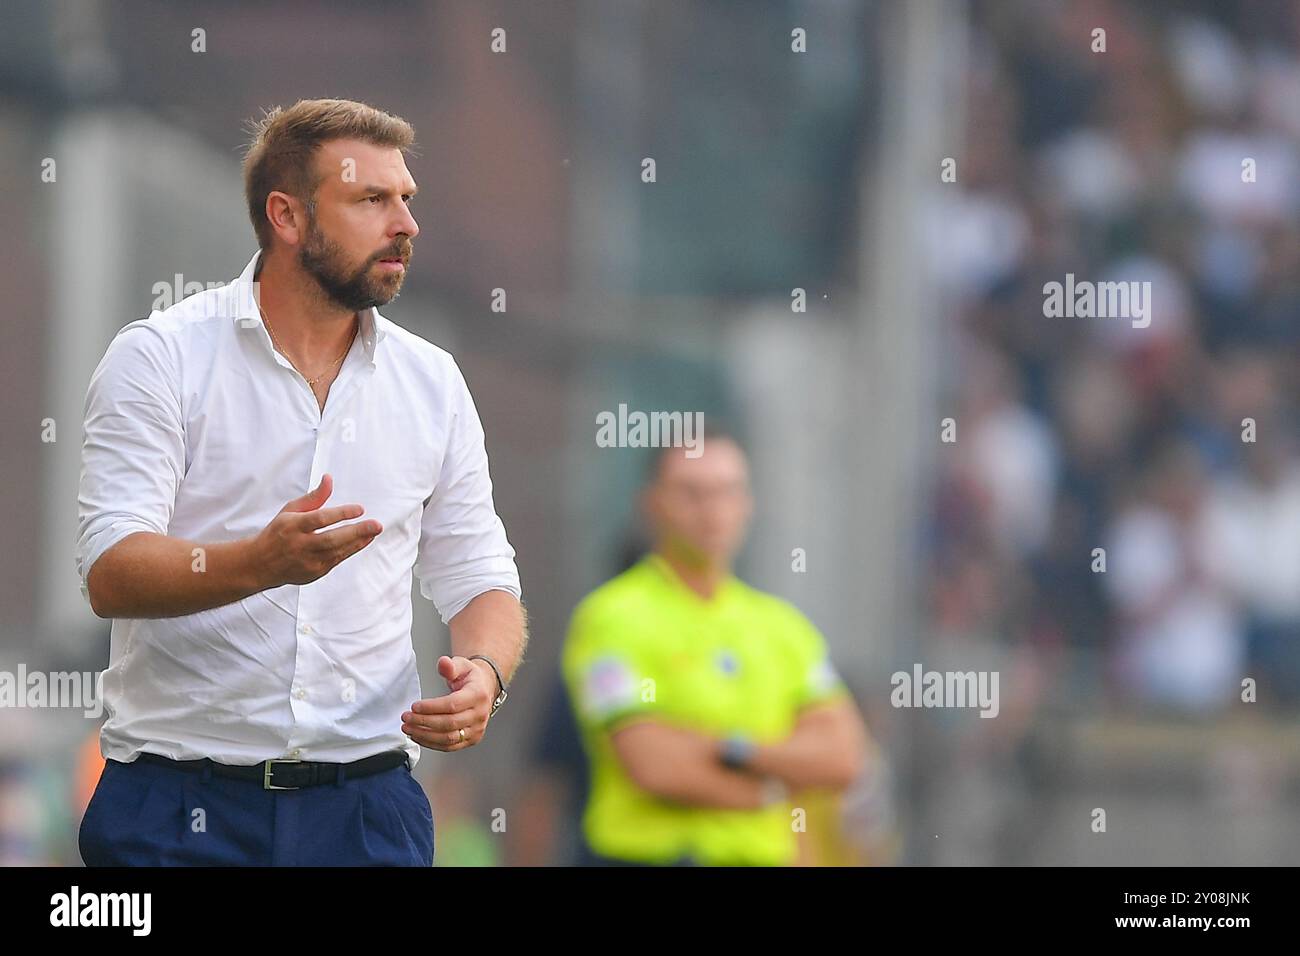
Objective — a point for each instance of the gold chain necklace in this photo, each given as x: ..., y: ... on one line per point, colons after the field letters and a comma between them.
x: 310, y: 381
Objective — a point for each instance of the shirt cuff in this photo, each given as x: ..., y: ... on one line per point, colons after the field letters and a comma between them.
x: 97, y: 544
x: 451, y: 592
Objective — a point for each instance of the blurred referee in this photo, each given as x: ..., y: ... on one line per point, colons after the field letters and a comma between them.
x: 703, y: 702
x: 262, y: 691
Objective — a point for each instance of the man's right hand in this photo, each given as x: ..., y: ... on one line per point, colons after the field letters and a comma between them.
x: 293, y: 550
x: 149, y: 575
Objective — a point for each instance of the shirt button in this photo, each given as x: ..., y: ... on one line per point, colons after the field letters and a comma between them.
x: 299, y: 693
x: 296, y: 752
x: 304, y: 628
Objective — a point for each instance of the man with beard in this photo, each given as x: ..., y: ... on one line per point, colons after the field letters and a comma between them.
x: 264, y: 706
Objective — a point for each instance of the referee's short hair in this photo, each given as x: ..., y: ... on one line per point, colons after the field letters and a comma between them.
x: 711, y: 430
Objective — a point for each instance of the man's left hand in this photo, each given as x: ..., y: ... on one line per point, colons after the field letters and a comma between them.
x: 437, y: 722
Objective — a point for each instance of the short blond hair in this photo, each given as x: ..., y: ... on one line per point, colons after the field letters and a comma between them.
x: 281, y: 156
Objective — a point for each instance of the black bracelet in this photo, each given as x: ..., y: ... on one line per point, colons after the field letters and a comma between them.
x: 501, y: 685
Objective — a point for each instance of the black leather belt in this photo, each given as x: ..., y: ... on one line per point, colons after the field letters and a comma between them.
x: 287, y: 773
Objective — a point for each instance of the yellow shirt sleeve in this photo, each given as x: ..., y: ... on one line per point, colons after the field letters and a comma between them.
x: 608, y: 666
x: 816, y: 679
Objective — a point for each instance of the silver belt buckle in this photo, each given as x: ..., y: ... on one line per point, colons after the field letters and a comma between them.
x: 266, y: 773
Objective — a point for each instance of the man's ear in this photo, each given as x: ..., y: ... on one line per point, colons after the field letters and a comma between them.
x: 286, y: 216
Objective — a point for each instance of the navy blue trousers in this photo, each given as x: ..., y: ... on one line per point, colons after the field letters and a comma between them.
x: 147, y: 814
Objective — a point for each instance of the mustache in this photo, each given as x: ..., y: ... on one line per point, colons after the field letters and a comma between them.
x: 401, y: 251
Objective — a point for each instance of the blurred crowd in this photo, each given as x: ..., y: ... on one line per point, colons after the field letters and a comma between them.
x: 1122, y: 503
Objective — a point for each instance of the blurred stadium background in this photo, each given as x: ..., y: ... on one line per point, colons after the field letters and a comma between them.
x: 776, y: 171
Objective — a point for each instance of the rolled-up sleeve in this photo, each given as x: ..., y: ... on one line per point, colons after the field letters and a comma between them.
x: 463, y: 546
x: 133, y: 451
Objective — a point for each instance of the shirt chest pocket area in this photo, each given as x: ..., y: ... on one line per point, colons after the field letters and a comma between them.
x: 703, y: 683
x: 391, y: 483
x: 218, y: 456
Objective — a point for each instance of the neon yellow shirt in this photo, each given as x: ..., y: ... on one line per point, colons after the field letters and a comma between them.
x: 644, y: 645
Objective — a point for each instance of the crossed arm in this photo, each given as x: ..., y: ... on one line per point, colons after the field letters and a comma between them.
x: 826, y: 749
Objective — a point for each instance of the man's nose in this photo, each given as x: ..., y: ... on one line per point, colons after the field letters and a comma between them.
x: 406, y: 224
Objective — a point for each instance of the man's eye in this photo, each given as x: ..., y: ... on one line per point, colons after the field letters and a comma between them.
x: 407, y: 198
x: 368, y: 198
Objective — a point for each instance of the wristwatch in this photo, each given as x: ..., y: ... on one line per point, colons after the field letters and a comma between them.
x: 737, y: 751
x: 501, y: 685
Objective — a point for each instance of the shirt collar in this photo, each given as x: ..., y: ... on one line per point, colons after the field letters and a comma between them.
x: 247, y: 315
x: 670, y: 576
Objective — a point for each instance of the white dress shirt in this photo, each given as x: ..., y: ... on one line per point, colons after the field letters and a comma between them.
x: 197, y: 427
